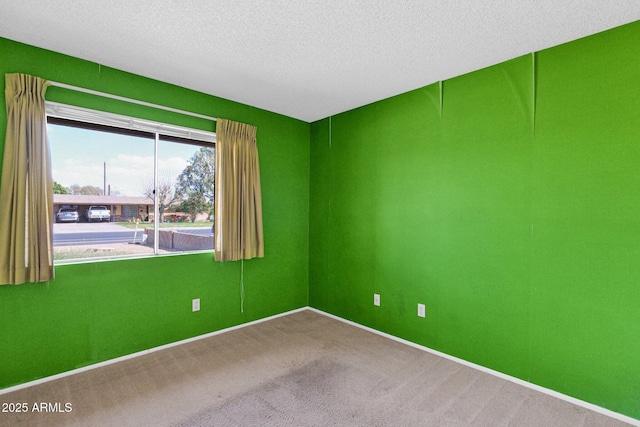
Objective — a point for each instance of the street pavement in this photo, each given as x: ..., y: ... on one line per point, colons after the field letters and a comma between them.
x: 89, y: 227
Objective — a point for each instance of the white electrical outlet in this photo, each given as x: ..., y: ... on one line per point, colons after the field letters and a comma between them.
x: 421, y: 310
x: 195, y: 304
x: 376, y: 299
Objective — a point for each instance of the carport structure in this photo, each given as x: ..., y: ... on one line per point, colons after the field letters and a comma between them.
x: 123, y: 208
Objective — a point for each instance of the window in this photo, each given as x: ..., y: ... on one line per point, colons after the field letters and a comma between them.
x: 127, y: 187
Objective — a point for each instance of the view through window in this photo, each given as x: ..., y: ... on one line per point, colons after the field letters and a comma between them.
x: 112, y: 183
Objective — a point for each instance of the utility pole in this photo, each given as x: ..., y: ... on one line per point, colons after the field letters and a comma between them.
x: 104, y: 188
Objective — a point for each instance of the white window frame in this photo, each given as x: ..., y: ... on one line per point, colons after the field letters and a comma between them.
x: 81, y: 114
x: 72, y: 112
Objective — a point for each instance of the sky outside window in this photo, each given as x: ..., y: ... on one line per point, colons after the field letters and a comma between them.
x: 78, y: 157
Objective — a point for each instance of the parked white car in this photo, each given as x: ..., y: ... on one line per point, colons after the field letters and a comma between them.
x: 98, y: 213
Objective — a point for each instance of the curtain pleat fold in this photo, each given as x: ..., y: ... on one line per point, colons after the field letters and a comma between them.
x: 238, y: 210
x: 26, y: 193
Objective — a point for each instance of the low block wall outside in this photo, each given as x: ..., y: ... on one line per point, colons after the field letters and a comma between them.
x: 180, y: 241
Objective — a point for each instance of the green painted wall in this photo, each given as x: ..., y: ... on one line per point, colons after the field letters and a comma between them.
x: 101, y: 310
x: 512, y: 212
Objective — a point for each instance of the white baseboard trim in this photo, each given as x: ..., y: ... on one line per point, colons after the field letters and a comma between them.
x: 515, y: 380
x: 142, y: 353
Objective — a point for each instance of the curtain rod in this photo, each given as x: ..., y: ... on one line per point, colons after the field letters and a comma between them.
x: 130, y: 100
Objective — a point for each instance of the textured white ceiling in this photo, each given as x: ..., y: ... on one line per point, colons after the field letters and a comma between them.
x: 306, y: 59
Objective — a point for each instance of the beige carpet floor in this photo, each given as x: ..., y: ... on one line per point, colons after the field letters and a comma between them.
x: 304, y: 369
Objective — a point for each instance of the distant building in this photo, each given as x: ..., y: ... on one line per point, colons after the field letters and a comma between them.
x: 123, y: 208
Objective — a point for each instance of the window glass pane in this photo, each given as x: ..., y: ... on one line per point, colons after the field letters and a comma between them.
x: 99, y: 201
x: 186, y: 176
x: 105, y: 193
